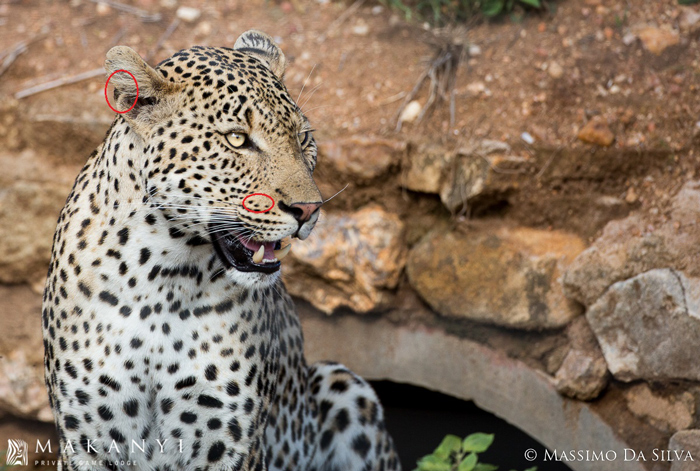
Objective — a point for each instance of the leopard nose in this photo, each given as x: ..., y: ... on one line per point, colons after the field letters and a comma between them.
x: 302, y: 212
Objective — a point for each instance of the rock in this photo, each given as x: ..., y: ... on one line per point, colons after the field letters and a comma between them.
x: 687, y: 443
x: 188, y: 14
x: 363, y: 158
x: 480, y: 169
x: 655, y: 40
x: 378, y: 349
x: 22, y: 390
x: 649, y: 326
x: 360, y: 28
x: 427, y: 165
x: 583, y: 374
x: 33, y: 194
x: 410, y: 112
x: 351, y: 260
x: 597, y: 132
x: 671, y: 414
x: 627, y: 248
x: 555, y: 70
x: 496, y: 274
x: 474, y: 50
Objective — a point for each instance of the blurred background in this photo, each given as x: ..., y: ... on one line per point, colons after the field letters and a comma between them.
x: 515, y: 249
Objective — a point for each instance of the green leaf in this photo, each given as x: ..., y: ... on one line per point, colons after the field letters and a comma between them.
x: 532, y: 3
x: 477, y: 442
x: 449, y: 444
x: 468, y: 463
x: 433, y: 463
x: 492, y: 7
x: 685, y: 2
x: 486, y: 467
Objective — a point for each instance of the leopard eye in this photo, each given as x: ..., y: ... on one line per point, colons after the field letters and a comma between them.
x: 304, y: 138
x: 236, y: 139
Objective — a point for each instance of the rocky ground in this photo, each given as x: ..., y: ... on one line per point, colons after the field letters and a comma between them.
x: 549, y: 234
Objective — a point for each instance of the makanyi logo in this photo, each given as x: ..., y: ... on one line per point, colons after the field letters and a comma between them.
x: 17, y: 452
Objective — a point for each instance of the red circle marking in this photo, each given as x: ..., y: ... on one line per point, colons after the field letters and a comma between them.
x: 137, y: 91
x: 263, y: 210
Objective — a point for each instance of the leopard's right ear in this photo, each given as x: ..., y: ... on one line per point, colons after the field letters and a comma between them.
x: 152, y: 88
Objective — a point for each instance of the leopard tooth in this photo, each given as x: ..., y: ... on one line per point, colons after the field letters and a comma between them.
x: 258, y: 256
x: 283, y: 252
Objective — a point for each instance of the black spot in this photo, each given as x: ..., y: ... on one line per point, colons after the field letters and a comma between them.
x: 117, y: 435
x: 145, y: 255
x: 123, y: 236
x: 216, y: 451
x: 125, y: 311
x: 166, y: 405
x: 211, y: 372
x: 108, y: 298
x: 361, y: 445
x: 208, y: 401
x: 131, y: 408
x: 83, y: 397
x: 339, y: 386
x: 326, y: 439
x: 136, y: 342
x: 186, y: 383
x: 71, y: 422
x: 232, y: 389
x: 342, y: 420
x: 105, y: 413
x: 214, y: 424
x: 110, y: 382
x: 235, y: 430
x: 145, y: 312
x: 188, y: 417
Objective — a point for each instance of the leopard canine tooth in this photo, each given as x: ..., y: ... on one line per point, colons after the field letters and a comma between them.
x: 283, y: 252
x: 258, y: 256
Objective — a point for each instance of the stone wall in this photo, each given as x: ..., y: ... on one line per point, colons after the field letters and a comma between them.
x: 452, y: 268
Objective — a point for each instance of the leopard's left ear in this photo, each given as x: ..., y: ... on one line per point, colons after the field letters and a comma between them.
x: 263, y: 47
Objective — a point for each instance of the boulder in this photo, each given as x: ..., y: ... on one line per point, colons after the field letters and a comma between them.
x: 687, y: 445
x: 22, y: 390
x: 351, y: 259
x: 32, y: 196
x: 480, y: 169
x: 669, y: 413
x: 583, y: 374
x: 633, y: 245
x: 501, y: 275
x: 362, y: 159
x: 649, y: 326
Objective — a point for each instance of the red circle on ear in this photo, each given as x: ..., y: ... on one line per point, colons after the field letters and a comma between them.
x: 263, y: 210
x: 137, y: 91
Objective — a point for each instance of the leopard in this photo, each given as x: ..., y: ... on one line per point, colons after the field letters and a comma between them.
x: 170, y: 340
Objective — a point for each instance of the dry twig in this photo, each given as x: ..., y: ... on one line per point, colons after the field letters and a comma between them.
x: 18, y: 49
x: 341, y: 19
x: 163, y: 37
x: 60, y: 82
x: 441, y: 73
x: 145, y: 16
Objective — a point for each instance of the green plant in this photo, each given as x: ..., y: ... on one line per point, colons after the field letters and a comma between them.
x: 455, y: 454
x: 459, y: 10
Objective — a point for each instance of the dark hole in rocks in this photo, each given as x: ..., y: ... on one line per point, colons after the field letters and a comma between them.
x: 418, y: 419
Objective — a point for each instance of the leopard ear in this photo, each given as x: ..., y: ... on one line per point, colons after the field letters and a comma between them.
x: 263, y: 47
x: 145, y: 91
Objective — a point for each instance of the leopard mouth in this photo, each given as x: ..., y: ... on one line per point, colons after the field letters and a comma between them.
x: 243, y: 254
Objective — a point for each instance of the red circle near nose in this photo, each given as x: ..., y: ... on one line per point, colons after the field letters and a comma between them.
x: 272, y: 205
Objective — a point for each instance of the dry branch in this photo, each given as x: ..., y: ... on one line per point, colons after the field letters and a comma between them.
x: 60, y: 82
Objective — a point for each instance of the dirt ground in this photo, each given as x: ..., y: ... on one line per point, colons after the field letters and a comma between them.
x: 545, y: 75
